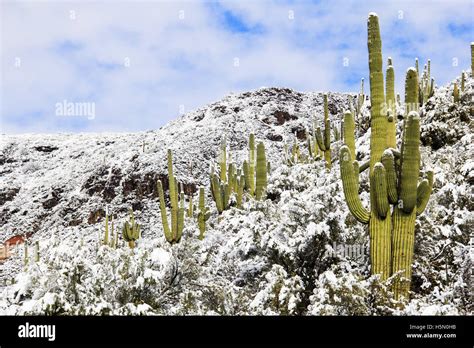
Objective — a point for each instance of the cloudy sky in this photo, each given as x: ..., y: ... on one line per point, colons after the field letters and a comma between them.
x: 139, y: 64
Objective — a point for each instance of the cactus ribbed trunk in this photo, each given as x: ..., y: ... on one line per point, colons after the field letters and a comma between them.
x: 251, y: 165
x: 403, y: 242
x: 261, y: 183
x: 379, y: 228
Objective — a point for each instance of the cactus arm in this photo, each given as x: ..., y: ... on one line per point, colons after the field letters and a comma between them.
x: 364, y: 166
x: 349, y: 129
x: 261, y: 183
x: 456, y: 93
x: 410, y: 163
x: 319, y: 139
x: 388, y: 161
x: 225, y: 192
x: 173, y: 188
x: 180, y: 224
x: 216, y: 193
x: 240, y: 190
x: 246, y: 170
x: 164, y: 217
x: 223, y: 160
x: 350, y: 186
x: 202, y: 213
x: 327, y: 125
x: 423, y: 193
x: 380, y: 186
x: 390, y: 91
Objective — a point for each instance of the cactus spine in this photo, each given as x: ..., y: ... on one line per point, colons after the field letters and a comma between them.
x: 324, y: 140
x: 173, y: 233
x: 203, y: 214
x: 131, y: 231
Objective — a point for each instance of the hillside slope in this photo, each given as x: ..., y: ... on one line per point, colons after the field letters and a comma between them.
x: 280, y: 256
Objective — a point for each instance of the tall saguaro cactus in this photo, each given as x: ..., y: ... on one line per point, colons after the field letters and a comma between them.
x: 324, y: 139
x: 173, y: 233
x: 391, y: 182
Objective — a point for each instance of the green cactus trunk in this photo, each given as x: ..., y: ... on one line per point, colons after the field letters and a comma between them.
x: 391, y: 107
x: 223, y: 160
x: 327, y: 134
x: 349, y: 133
x: 379, y: 227
x: 261, y: 183
x: 456, y: 93
x: 251, y: 164
x: 203, y: 214
x: 472, y: 59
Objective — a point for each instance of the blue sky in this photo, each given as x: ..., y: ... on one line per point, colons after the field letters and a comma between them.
x: 142, y: 63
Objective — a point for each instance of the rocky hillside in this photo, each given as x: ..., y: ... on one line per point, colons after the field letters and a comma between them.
x: 274, y: 257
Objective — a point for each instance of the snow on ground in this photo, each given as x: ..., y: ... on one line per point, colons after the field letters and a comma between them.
x: 279, y: 256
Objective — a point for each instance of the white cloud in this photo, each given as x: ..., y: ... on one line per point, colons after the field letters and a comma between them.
x: 189, y: 61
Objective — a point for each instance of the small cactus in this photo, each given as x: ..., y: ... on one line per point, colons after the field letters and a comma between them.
x: 324, y: 139
x: 456, y: 93
x: 203, y: 214
x: 131, y: 231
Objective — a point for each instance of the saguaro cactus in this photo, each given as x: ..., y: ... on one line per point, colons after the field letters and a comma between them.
x: 261, y: 171
x: 251, y: 165
x: 324, y: 140
x: 131, y: 231
x: 456, y: 93
x: 378, y: 218
x: 173, y: 234
x: 203, y: 214
x: 392, y: 183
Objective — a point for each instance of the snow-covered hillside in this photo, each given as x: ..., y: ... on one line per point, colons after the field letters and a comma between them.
x: 279, y: 256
